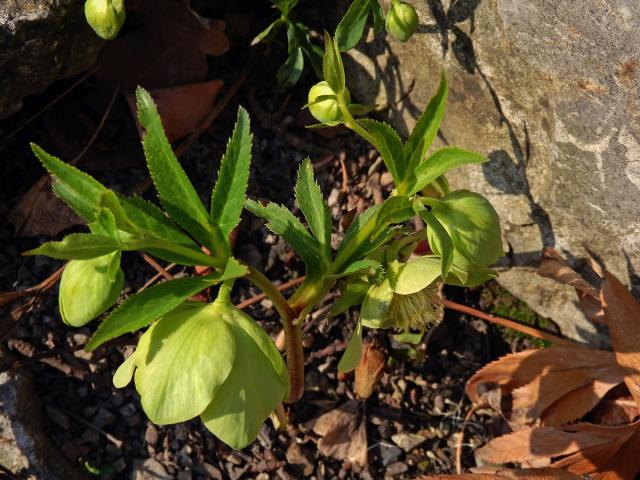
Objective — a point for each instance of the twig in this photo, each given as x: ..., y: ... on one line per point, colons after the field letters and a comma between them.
x: 47, y: 283
x: 262, y: 296
x: 6, y: 139
x: 507, y: 323
x: 345, y: 176
x: 153, y: 279
x: 98, y: 128
x: 460, y: 439
x: 156, y: 266
x: 116, y: 441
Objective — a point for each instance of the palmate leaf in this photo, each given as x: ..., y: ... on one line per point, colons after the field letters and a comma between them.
x: 350, y: 29
x: 227, y: 199
x: 143, y: 308
x: 332, y: 65
x: 80, y: 191
x: 440, y: 162
x: 314, y: 207
x: 177, y: 194
x: 78, y: 246
x: 389, y: 145
x: 427, y: 126
x: 282, y: 222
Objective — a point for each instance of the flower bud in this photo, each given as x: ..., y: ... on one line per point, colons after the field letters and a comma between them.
x: 86, y: 290
x: 401, y: 21
x: 325, y: 110
x: 106, y: 17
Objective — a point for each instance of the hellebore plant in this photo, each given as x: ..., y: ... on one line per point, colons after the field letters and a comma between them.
x: 212, y: 360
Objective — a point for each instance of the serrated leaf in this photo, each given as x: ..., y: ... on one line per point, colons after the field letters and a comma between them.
x: 282, y: 222
x: 289, y: 72
x: 332, y: 67
x: 141, y: 309
x: 349, y: 30
x: 389, y: 144
x: 314, y: 208
x: 352, y: 354
x: 439, y: 241
x: 175, y: 190
x: 439, y: 163
x: 427, y: 126
x: 79, y: 190
x: 105, y: 224
x: 227, y: 199
x: 358, y: 109
x: 78, y: 246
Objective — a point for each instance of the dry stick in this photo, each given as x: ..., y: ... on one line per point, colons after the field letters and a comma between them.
x: 153, y: 279
x: 47, y: 107
x: 262, y: 296
x: 156, y: 266
x: 345, y: 176
x: 471, y: 411
x: 506, y: 323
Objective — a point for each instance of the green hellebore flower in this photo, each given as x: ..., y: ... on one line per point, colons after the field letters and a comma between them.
x: 473, y: 225
x: 210, y: 360
x: 404, y: 299
x: 326, y: 110
x: 87, y: 288
x: 106, y: 17
x: 401, y: 20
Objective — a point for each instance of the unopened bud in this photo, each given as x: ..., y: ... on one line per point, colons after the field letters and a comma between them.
x: 106, y: 17
x: 401, y: 21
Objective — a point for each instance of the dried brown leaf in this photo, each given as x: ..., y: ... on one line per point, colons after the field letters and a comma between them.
x: 166, y: 46
x: 622, y: 316
x: 343, y: 433
x: 369, y: 370
x: 553, y: 442
x: 520, y: 474
x: 616, y: 411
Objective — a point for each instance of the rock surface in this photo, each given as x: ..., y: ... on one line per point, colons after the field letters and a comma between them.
x: 25, y: 448
x: 550, y: 93
x: 41, y: 41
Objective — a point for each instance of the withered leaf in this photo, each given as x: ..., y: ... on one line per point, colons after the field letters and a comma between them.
x: 622, y: 316
x: 502, y: 474
x: 369, y: 370
x: 343, y: 433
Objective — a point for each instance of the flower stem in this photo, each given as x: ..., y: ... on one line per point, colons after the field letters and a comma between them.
x: 292, y: 332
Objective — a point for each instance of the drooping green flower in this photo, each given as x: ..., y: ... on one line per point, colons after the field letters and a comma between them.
x: 210, y: 360
x: 401, y: 20
x: 405, y: 299
x: 88, y: 288
x: 106, y: 17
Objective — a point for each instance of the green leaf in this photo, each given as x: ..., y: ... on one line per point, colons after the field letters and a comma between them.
x: 79, y: 190
x: 257, y: 384
x: 351, y: 294
x: 352, y: 354
x: 427, y: 126
x: 378, y: 16
x: 285, y: 6
x: 78, y: 246
x: 375, y: 307
x: 314, y: 207
x: 177, y: 194
x: 105, y: 224
x: 412, y: 338
x: 289, y: 73
x: 332, y: 65
x: 439, y: 240
x: 269, y: 33
x: 416, y: 275
x: 467, y: 274
x: 190, y: 355
x: 389, y: 145
x: 86, y: 289
x: 349, y: 30
x: 473, y: 225
x: 440, y: 162
x: 228, y: 195
x: 282, y: 222
x: 358, y: 109
x: 141, y: 309
x: 313, y: 52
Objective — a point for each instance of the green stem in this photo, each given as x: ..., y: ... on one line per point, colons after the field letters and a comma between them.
x: 199, y: 258
x: 352, y: 123
x: 292, y: 332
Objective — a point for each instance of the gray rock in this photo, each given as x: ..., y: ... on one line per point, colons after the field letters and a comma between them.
x: 549, y: 92
x: 25, y: 449
x: 408, y: 441
x: 389, y: 453
x: 42, y: 41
